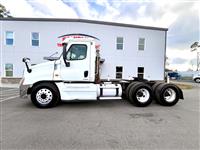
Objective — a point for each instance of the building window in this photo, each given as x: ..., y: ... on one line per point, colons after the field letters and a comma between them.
x: 141, y: 44
x: 140, y: 72
x: 119, y: 71
x: 9, y: 70
x: 9, y: 38
x: 35, y: 38
x: 77, y: 52
x: 120, y: 41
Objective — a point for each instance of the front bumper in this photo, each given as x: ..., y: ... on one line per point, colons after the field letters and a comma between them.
x: 23, y: 89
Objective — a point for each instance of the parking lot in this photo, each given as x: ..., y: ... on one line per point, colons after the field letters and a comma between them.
x: 109, y: 124
x: 8, y: 93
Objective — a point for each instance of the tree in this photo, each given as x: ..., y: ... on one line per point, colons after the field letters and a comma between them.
x: 3, y: 12
x: 194, y: 46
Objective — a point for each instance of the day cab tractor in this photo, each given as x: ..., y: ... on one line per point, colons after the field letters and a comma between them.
x: 76, y: 76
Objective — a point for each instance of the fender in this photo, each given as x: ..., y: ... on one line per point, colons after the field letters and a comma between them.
x: 180, y: 92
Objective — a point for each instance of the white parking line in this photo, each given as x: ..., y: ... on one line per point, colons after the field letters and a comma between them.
x: 7, y: 94
x: 9, y: 98
x: 8, y: 90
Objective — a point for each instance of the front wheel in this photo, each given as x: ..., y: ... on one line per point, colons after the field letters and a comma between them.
x: 45, y: 95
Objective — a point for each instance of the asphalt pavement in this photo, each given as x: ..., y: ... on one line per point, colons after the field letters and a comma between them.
x: 7, y: 93
x: 113, y: 124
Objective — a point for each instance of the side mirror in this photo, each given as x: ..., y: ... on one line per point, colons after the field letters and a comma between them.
x: 67, y: 64
x: 26, y: 60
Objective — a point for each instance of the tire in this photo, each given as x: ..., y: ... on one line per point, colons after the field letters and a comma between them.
x: 197, y: 80
x: 167, y: 94
x: 154, y: 88
x: 45, y: 95
x: 128, y: 89
x: 140, y: 94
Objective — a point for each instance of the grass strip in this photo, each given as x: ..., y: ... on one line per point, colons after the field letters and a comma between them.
x: 184, y: 86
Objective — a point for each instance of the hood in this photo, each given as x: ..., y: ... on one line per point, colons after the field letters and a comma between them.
x: 40, y: 72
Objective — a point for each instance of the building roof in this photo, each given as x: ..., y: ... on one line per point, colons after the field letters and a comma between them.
x: 84, y: 21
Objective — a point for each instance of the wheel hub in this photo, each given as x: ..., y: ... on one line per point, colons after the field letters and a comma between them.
x: 169, y: 95
x: 143, y: 95
x: 44, y: 96
x: 140, y: 94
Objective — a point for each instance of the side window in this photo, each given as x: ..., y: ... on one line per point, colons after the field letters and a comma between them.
x: 35, y: 39
x: 141, y: 44
x: 119, y: 44
x: 9, y: 70
x: 77, y: 52
x: 141, y: 72
x: 119, y: 71
x: 9, y: 38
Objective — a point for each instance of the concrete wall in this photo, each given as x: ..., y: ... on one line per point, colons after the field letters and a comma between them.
x: 11, y: 80
x: 152, y: 58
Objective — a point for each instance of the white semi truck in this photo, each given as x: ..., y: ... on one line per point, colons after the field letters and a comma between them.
x: 76, y: 76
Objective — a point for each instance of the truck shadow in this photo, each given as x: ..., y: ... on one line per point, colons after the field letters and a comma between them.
x: 93, y: 104
x: 100, y: 104
x: 83, y: 104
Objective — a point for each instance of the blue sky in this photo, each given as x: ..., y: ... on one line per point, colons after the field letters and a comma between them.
x: 181, y: 17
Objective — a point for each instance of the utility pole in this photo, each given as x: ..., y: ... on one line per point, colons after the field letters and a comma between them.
x: 196, y: 47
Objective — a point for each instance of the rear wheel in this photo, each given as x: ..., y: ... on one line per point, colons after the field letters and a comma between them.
x: 45, y: 95
x: 140, y: 94
x: 154, y: 87
x: 167, y: 94
x: 197, y: 80
x: 128, y: 89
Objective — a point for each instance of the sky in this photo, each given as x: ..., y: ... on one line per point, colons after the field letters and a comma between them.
x: 181, y: 17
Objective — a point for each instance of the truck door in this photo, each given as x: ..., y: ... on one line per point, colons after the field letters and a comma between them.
x: 78, y: 57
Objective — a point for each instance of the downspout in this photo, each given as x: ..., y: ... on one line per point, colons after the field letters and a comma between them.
x: 165, y: 53
x: 1, y: 49
x: 97, y: 67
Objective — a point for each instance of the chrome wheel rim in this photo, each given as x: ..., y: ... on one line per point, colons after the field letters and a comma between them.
x: 143, y: 95
x: 170, y: 95
x: 44, y: 96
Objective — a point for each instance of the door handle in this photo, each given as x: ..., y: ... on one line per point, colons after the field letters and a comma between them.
x: 85, y: 74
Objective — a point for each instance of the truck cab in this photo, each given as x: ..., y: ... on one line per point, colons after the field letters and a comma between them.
x: 78, y: 63
x: 75, y: 76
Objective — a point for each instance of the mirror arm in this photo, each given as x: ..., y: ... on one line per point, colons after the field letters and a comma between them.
x: 26, y: 60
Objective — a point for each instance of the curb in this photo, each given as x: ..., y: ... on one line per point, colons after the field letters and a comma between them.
x: 3, y: 85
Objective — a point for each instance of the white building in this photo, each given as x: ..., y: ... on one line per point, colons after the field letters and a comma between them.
x: 128, y: 50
